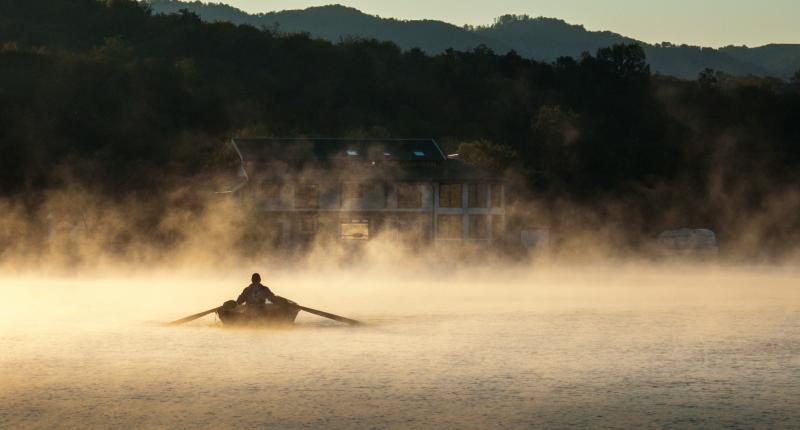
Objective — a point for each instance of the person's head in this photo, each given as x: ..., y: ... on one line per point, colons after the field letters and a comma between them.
x: 256, y: 278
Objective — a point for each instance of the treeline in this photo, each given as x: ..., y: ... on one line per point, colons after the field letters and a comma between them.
x: 108, y: 94
x: 544, y: 39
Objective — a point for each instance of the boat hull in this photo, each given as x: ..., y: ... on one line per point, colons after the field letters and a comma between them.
x: 268, y: 315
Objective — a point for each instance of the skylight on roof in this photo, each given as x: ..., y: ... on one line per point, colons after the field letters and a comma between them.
x: 352, y: 152
x: 419, y: 153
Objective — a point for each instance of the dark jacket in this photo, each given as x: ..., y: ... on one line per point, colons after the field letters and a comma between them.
x: 255, y: 294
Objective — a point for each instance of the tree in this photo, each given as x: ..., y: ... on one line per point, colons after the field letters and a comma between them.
x: 556, y: 131
x: 708, y: 78
x: 488, y: 155
x: 627, y: 60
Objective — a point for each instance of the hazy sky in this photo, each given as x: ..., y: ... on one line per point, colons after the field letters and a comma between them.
x: 700, y: 22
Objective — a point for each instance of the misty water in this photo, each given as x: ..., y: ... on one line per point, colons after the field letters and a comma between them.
x: 482, y: 348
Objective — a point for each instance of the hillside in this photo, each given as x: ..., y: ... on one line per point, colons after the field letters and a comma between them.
x: 110, y: 97
x: 335, y: 22
x: 781, y: 59
x: 537, y: 38
x: 547, y: 39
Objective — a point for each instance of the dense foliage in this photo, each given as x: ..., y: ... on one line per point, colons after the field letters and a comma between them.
x: 544, y: 39
x: 109, y: 94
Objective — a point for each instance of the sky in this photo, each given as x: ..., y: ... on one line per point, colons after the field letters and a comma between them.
x: 698, y: 22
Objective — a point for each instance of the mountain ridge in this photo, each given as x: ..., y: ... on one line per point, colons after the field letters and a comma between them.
x: 540, y: 38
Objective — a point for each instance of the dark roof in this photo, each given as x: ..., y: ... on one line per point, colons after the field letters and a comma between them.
x: 408, y: 159
x: 323, y: 149
x: 449, y: 171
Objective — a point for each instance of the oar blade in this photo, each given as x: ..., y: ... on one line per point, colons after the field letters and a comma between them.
x: 330, y: 316
x: 192, y: 317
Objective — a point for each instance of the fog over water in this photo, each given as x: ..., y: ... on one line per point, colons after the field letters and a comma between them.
x: 501, y: 346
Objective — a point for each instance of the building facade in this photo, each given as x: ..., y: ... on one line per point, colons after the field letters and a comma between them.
x: 355, y: 190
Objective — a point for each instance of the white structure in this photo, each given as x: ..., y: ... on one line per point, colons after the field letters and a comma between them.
x: 353, y: 190
x: 689, y: 242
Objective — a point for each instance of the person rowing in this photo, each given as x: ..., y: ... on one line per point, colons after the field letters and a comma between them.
x: 256, y: 295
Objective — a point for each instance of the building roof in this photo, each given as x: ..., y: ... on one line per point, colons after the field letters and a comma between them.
x: 325, y: 149
x: 449, y: 171
x: 385, y: 159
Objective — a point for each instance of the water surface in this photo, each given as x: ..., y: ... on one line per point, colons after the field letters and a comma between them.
x: 518, y: 348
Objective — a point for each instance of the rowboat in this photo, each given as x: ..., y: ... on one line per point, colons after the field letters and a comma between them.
x: 284, y: 311
x: 247, y: 316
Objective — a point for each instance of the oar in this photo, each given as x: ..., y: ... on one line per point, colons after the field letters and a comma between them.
x: 194, y: 317
x: 290, y: 303
x: 328, y: 315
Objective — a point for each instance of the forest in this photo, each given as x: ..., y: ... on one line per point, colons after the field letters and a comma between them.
x: 541, y: 38
x: 123, y: 101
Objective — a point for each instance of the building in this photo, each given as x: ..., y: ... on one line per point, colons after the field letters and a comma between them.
x: 354, y: 190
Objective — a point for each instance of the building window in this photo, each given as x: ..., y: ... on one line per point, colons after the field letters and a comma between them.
x: 498, y: 227
x: 307, y: 224
x: 351, y: 191
x: 269, y: 192
x: 449, y: 226
x: 406, y: 221
x: 370, y: 193
x: 409, y: 196
x: 478, y: 227
x: 450, y: 196
x: 478, y: 195
x: 354, y: 230
x: 497, y: 195
x: 306, y: 196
